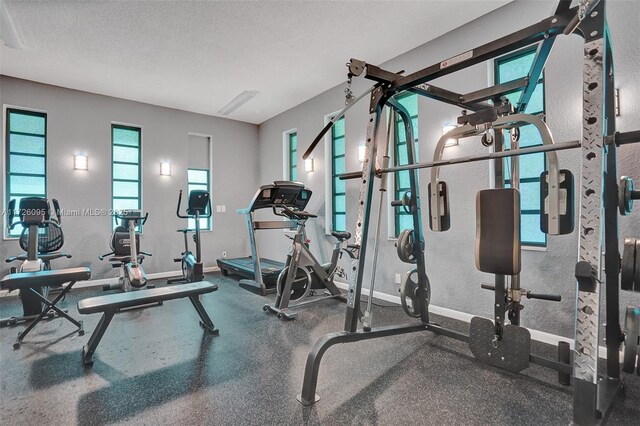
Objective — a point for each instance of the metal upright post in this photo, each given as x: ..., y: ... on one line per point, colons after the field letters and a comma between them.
x: 364, y: 212
x: 587, y: 409
x: 500, y: 293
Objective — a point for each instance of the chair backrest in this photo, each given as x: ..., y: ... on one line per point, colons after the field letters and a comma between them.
x: 50, y: 238
x: 498, y: 243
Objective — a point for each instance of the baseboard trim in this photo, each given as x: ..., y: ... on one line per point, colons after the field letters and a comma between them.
x: 537, y: 335
x: 103, y: 281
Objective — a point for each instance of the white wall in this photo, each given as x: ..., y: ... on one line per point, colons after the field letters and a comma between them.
x: 81, y: 122
x: 450, y: 256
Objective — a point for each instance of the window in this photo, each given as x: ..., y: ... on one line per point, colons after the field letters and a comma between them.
x: 26, y: 145
x: 404, y: 220
x: 199, y: 179
x: 293, y: 155
x: 507, y: 68
x: 338, y: 191
x: 199, y: 172
x: 126, y: 171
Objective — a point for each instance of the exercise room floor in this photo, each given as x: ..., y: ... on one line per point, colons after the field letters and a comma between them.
x: 157, y: 366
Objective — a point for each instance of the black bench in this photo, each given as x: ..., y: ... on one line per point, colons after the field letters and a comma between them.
x: 32, y: 281
x: 112, y: 304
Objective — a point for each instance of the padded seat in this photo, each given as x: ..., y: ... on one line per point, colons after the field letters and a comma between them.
x: 119, y: 301
x: 23, y: 280
x: 341, y: 235
x: 124, y: 259
x: 113, y: 303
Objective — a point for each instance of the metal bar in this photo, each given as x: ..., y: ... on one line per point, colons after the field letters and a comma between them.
x: 587, y: 331
x: 330, y: 124
x: 550, y: 363
x: 481, y: 157
x: 546, y: 28
x: 364, y: 213
x: 446, y: 96
x: 206, y: 320
x: 627, y: 137
x: 495, y: 91
x: 312, y: 367
x: 418, y: 254
x: 613, y: 331
x: 537, y: 67
x: 91, y: 346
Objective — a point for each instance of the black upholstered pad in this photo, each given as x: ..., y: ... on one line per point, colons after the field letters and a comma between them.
x: 341, y: 235
x: 498, y: 231
x: 114, y: 302
x: 44, y: 278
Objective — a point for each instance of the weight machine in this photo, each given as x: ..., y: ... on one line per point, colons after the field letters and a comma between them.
x: 600, y: 199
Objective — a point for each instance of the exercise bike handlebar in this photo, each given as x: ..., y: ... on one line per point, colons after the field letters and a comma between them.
x: 132, y: 217
x: 294, y: 214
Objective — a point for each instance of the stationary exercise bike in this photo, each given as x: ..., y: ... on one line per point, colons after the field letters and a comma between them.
x: 41, y: 238
x: 303, y: 275
x: 125, y: 253
x: 198, y: 205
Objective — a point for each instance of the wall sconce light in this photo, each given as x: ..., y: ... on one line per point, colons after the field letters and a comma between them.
x: 445, y: 129
x: 362, y: 151
x: 308, y: 165
x: 80, y: 162
x: 165, y: 168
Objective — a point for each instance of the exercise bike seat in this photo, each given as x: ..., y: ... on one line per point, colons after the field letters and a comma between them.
x: 341, y: 235
x: 124, y: 259
x: 44, y: 257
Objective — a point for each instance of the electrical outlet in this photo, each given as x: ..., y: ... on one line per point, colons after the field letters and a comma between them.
x: 398, y: 278
x: 224, y: 254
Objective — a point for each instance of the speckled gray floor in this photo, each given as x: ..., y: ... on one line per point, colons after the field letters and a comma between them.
x: 156, y: 366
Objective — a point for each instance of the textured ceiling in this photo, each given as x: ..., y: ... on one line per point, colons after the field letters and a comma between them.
x: 198, y: 56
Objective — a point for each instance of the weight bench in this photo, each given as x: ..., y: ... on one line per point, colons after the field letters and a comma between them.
x: 30, y: 281
x: 111, y: 304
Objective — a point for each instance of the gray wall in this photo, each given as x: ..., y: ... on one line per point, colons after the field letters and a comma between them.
x: 81, y: 122
x: 450, y: 256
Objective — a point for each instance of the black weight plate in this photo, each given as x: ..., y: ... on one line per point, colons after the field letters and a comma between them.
x: 628, y: 264
x: 631, y: 330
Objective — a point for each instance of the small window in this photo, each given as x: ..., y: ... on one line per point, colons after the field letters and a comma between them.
x: 508, y: 68
x: 293, y: 156
x: 338, y: 187
x: 404, y: 220
x: 126, y: 168
x: 199, y: 173
x: 26, y: 158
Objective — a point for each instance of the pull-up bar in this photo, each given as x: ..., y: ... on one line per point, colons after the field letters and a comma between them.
x: 470, y: 159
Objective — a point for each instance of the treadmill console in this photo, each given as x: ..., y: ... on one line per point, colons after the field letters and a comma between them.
x: 281, y: 193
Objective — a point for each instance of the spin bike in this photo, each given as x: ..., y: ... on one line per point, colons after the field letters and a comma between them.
x: 198, y: 204
x: 41, y: 238
x: 125, y: 253
x: 303, y: 275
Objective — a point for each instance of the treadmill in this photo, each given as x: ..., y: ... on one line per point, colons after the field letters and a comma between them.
x: 261, y: 274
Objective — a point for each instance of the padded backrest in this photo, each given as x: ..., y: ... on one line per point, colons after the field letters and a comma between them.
x: 120, y: 243
x: 498, y: 231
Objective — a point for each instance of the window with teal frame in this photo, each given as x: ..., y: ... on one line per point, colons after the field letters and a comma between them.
x: 338, y: 188
x: 126, y: 189
x: 26, y: 159
x: 404, y: 220
x: 508, y: 68
x: 293, y: 156
x: 199, y: 179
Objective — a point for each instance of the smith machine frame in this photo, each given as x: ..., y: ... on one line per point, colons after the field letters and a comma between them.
x: 594, y: 393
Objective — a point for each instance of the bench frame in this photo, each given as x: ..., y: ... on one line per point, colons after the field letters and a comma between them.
x: 107, y: 315
x: 46, y: 312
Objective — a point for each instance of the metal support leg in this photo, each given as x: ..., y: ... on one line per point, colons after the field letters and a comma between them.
x: 94, y: 340
x: 205, y: 322
x: 49, y: 306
